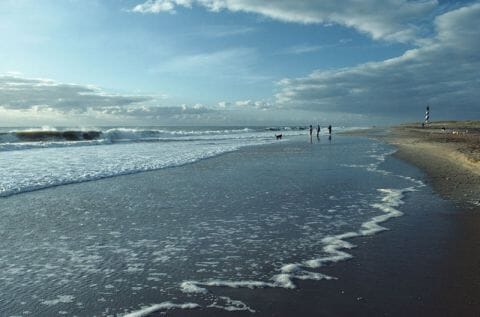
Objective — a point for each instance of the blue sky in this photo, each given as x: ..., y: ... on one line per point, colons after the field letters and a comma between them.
x: 94, y: 62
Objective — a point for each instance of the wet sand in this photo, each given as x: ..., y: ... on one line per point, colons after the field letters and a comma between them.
x: 449, y: 152
x: 428, y: 264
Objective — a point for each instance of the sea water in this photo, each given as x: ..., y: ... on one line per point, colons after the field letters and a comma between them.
x: 221, y: 208
x: 39, y: 158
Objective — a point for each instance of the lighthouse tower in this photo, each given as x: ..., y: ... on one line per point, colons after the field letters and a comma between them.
x: 427, y: 116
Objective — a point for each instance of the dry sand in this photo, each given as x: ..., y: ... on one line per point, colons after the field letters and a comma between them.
x: 449, y: 152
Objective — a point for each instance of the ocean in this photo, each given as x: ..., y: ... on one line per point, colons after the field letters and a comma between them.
x: 42, y: 158
x: 155, y: 219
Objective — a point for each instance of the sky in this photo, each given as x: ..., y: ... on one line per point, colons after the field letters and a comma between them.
x: 237, y: 62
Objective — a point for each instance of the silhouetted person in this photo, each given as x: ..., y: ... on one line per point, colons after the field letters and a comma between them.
x: 330, y: 129
x: 318, y: 131
x: 311, y: 129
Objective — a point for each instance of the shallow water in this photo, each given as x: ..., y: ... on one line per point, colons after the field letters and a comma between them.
x: 262, y: 216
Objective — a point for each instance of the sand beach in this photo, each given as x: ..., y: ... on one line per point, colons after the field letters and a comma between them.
x: 449, y: 152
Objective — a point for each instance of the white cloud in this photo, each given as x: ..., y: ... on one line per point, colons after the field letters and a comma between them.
x: 160, y: 112
x: 33, y: 93
x: 244, y: 103
x: 51, y: 101
x: 254, y: 104
x: 444, y: 73
x: 34, y: 100
x: 223, y: 104
x: 392, y: 20
x: 158, y: 6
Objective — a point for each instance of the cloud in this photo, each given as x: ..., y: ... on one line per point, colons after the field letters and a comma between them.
x: 32, y: 93
x: 232, y: 63
x: 391, y: 20
x: 152, y: 6
x: 304, y: 49
x: 28, y: 100
x: 224, y: 105
x: 443, y: 73
x: 202, y: 62
x: 254, y: 104
x: 159, y: 112
x: 220, y: 31
x: 46, y: 98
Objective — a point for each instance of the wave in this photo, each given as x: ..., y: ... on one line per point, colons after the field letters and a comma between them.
x: 113, y: 135
x: 45, y: 134
x: 32, y: 135
x: 95, y: 165
x: 52, y: 135
x: 16, y: 140
x: 82, y: 163
x: 146, y: 134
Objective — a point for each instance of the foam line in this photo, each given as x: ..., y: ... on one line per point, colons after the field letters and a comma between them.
x: 234, y: 284
x: 231, y: 305
x: 191, y: 287
x: 162, y: 306
x: 333, y: 246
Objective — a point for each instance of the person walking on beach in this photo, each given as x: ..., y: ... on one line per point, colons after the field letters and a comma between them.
x: 329, y: 129
x: 311, y: 129
x: 318, y: 131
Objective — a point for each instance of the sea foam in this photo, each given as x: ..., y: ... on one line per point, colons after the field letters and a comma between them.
x: 333, y: 246
x: 160, y: 307
x: 33, y: 160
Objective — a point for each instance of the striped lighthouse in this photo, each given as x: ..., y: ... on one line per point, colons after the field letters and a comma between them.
x: 427, y: 115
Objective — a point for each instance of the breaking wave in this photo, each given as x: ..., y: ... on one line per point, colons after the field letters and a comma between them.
x: 52, y: 137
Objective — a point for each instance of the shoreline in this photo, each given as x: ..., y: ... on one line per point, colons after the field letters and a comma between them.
x: 449, y: 154
x: 450, y: 157
x: 409, y: 270
x: 419, y: 284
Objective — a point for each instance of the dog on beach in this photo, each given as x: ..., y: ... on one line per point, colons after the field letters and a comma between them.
x: 278, y: 136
